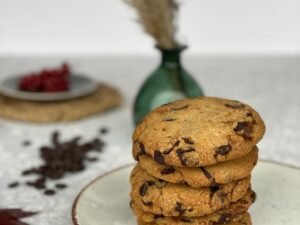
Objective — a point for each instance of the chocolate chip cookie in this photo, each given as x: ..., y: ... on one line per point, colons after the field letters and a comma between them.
x: 234, y: 209
x: 241, y: 219
x: 221, y: 173
x: 163, y: 198
x: 198, y: 132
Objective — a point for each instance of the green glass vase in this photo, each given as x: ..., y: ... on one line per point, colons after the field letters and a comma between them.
x: 169, y: 82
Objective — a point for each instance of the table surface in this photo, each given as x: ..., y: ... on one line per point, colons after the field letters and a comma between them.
x: 270, y: 84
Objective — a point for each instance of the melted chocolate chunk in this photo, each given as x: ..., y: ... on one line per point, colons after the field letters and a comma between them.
x: 167, y: 170
x: 158, y: 216
x: 49, y: 192
x: 249, y: 114
x: 180, y: 107
x: 185, y: 219
x: 225, y: 218
x: 223, y: 150
x: 235, y: 106
x: 206, y: 173
x: 144, y: 188
x: 141, y: 151
x: 244, y: 129
x: 179, y: 208
x: 253, y: 196
x: 170, y: 119
x: 168, y: 151
x: 131, y: 203
x: 13, y: 216
x: 181, y: 152
x: 188, y: 141
x: 147, y: 203
x: 214, y: 187
x: 158, y: 157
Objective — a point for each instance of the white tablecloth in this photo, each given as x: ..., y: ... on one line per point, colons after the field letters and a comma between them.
x: 270, y: 84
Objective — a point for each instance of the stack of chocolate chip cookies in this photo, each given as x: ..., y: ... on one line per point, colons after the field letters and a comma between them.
x: 195, y: 161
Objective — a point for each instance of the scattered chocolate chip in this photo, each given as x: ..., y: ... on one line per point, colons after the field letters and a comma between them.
x: 181, y: 152
x: 49, y: 192
x: 223, y: 150
x: 103, y: 130
x: 244, y: 129
x: 61, y: 158
x: 14, y: 184
x: 170, y: 119
x: 206, y: 173
x: 26, y: 143
x: 149, y: 203
x: 158, y: 157
x: 13, y: 216
x: 179, y: 208
x: 167, y: 170
x: 180, y: 107
x: 188, y: 141
x: 235, y: 106
x: 190, y: 210
x: 60, y: 186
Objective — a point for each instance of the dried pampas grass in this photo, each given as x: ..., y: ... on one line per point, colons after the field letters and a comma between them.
x: 158, y: 17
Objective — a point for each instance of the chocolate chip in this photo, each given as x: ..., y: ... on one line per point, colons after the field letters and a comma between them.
x: 14, y: 184
x: 225, y: 218
x: 244, y: 129
x: 60, y: 186
x: 180, y: 107
x: 156, y: 216
x: 181, y: 153
x: 13, y: 216
x: 141, y: 152
x: 49, y: 192
x: 185, y: 220
x: 253, y: 196
x: 168, y: 151
x: 188, y: 141
x: 158, y: 157
x: 235, y: 106
x: 144, y: 188
x: 249, y: 114
x: 179, y: 208
x: 149, y: 203
x: 61, y: 158
x: 223, y: 150
x: 206, y: 173
x: 167, y: 170
x: 170, y: 119
x: 214, y: 187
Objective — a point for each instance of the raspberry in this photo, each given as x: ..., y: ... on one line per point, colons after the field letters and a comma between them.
x: 48, y: 80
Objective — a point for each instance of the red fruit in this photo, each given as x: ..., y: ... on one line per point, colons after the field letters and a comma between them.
x: 48, y: 80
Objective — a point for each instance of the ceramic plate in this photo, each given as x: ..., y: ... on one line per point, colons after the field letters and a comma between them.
x: 80, y: 86
x: 105, y: 201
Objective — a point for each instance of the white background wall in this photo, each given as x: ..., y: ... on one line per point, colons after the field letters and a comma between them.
x: 107, y: 27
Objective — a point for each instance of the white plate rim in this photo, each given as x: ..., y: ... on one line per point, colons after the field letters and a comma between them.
x: 50, y: 96
x: 75, y: 203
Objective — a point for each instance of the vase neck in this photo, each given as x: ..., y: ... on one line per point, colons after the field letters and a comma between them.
x: 171, y: 56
